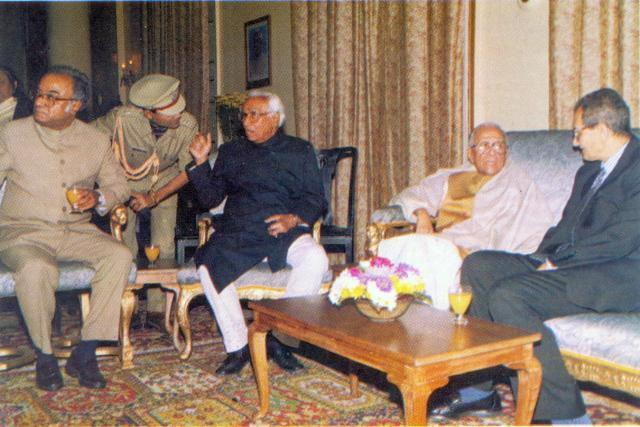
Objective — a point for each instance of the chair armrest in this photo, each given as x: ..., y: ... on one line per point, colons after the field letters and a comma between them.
x: 378, y: 231
x: 317, y: 229
x: 204, y: 225
x: 118, y: 218
x: 389, y: 213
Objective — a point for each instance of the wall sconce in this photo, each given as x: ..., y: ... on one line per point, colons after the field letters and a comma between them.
x: 130, y: 70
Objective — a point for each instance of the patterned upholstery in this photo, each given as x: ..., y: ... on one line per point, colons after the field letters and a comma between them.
x: 74, y: 276
x: 612, y: 337
x: 549, y: 159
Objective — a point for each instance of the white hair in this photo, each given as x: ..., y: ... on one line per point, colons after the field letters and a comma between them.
x: 486, y: 125
x: 275, y: 103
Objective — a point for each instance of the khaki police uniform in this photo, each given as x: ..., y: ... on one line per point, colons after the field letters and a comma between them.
x: 172, y: 149
x: 161, y: 93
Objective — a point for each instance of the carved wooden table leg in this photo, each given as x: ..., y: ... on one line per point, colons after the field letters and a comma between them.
x: 529, y: 378
x: 128, y: 305
x: 354, y: 381
x: 258, y: 347
x: 415, y: 389
x: 171, y: 313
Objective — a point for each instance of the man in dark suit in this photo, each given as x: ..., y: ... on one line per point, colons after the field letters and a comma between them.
x: 589, y: 262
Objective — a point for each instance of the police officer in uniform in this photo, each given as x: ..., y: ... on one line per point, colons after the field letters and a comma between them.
x: 152, y: 136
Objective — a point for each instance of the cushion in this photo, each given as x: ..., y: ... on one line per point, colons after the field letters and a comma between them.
x: 613, y: 337
x: 73, y: 276
x: 388, y: 214
x: 257, y: 283
x: 548, y: 157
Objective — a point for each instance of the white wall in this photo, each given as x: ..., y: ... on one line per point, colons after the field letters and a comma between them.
x: 511, y: 59
x: 231, y: 17
x: 512, y: 63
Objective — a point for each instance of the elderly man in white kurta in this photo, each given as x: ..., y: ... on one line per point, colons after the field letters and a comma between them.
x: 488, y: 204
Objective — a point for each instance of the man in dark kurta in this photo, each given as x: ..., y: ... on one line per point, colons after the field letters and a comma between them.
x: 274, y: 195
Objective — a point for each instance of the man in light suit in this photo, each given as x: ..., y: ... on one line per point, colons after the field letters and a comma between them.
x: 41, y: 156
x: 589, y: 262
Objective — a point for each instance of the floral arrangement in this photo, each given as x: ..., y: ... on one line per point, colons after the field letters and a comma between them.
x: 379, y: 281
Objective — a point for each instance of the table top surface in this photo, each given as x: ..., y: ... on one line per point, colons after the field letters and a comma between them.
x: 422, y: 334
x: 160, y: 265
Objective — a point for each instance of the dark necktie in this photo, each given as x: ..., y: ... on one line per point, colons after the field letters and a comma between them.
x: 597, y: 182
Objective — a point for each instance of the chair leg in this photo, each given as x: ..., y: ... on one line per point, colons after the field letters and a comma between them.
x: 11, y: 357
x: 187, y: 293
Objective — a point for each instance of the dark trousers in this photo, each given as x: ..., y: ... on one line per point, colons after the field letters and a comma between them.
x: 508, y: 289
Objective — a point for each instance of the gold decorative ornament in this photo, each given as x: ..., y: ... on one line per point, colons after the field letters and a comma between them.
x: 151, y: 165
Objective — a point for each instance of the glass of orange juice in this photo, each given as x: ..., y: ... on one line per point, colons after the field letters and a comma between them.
x: 73, y: 193
x: 152, y: 252
x: 460, y: 298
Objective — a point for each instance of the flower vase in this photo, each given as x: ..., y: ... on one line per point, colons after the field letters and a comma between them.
x: 367, y: 309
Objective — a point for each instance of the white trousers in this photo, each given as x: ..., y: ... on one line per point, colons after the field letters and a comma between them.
x: 436, y: 258
x: 308, y: 262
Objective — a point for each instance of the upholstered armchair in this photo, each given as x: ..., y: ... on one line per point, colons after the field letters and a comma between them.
x: 76, y: 277
x: 385, y: 223
x: 256, y: 284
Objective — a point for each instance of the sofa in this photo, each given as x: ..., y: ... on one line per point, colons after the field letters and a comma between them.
x: 598, y: 347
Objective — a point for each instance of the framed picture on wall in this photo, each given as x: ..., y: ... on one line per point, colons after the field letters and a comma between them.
x: 257, y: 52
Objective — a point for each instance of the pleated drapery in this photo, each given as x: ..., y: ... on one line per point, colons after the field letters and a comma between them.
x: 592, y: 44
x: 388, y: 78
x: 176, y: 42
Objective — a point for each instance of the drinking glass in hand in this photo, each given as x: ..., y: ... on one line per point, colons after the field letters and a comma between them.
x: 73, y: 193
x: 460, y: 298
x: 152, y: 252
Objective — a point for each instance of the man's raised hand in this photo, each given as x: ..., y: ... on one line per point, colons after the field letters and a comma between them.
x: 200, y: 147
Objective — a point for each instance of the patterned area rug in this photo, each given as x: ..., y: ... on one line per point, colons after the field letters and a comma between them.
x: 162, y: 390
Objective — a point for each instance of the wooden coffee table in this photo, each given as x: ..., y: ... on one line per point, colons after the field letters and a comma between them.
x: 418, y: 352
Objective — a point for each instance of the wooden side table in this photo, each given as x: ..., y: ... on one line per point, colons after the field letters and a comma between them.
x: 165, y: 273
x: 418, y: 352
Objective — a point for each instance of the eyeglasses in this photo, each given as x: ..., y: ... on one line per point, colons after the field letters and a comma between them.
x: 50, y: 99
x: 495, y: 146
x: 253, y: 115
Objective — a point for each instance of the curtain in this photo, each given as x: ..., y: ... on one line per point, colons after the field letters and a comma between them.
x: 176, y: 42
x: 387, y: 78
x: 592, y: 44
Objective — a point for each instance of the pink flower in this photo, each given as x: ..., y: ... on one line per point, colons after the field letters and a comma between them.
x: 378, y: 261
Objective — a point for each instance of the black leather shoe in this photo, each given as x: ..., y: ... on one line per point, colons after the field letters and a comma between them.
x: 455, y: 407
x: 281, y: 354
x: 235, y: 361
x: 48, y: 376
x: 87, y: 373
